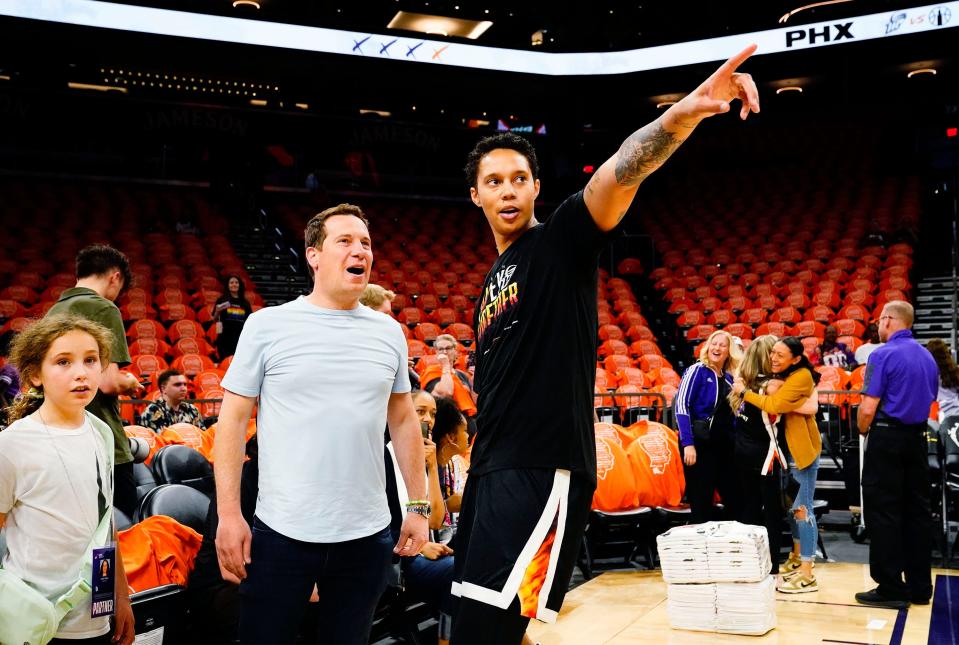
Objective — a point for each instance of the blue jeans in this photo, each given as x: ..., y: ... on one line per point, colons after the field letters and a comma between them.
x: 806, y: 532
x: 431, y: 582
x: 350, y: 577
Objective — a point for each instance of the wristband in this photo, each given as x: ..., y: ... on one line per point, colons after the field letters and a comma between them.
x: 420, y: 507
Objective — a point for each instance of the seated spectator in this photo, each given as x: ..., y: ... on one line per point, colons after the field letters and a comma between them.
x: 171, y: 407
x: 451, y: 439
x: 948, y: 396
x: 872, y: 342
x: 212, y: 600
x: 440, y: 381
x: 377, y: 298
x: 230, y: 312
x: 9, y: 380
x: 428, y: 576
x: 834, y: 354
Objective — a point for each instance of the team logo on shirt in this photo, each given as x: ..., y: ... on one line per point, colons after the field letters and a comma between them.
x: 501, y: 294
x: 655, y: 444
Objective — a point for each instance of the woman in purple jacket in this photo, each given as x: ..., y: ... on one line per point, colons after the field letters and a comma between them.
x: 706, y: 427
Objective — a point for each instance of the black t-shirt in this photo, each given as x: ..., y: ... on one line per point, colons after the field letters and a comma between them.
x: 536, y: 348
x: 752, y: 438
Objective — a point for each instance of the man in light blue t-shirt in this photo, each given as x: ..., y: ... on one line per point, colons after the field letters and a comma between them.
x: 328, y: 372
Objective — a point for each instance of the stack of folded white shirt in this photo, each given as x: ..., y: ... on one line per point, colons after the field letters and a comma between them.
x: 718, y: 575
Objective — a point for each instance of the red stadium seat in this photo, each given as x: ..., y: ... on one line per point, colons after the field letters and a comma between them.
x: 427, y: 332
x: 462, y: 333
x: 412, y: 316
x: 819, y: 313
x: 650, y: 363
x: 11, y: 309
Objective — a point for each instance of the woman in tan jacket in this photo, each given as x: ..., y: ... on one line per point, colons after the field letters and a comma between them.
x: 804, y: 445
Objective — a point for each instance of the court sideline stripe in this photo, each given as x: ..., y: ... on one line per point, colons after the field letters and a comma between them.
x: 900, y: 627
x: 944, y: 621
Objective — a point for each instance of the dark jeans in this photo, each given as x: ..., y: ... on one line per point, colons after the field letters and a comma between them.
x: 761, y: 505
x: 430, y: 581
x: 96, y: 640
x: 714, y: 471
x: 124, y: 489
x: 350, y: 577
x: 895, y: 489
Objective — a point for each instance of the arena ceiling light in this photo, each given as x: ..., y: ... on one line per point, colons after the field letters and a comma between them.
x: 922, y: 70
x: 96, y: 88
x: 786, y: 16
x: 439, y: 25
x: 789, y: 88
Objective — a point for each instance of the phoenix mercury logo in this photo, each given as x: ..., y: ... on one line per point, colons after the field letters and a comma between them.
x: 500, y: 294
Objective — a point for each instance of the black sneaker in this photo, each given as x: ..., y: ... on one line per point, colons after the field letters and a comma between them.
x: 919, y: 600
x: 874, y: 599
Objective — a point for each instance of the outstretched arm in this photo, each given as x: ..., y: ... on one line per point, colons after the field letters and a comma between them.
x: 613, y: 187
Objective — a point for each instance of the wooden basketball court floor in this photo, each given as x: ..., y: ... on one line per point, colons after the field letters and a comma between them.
x: 630, y: 607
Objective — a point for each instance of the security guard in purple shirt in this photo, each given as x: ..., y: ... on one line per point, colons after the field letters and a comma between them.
x: 900, y: 385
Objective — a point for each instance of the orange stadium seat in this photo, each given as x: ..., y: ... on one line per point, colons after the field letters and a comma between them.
x: 208, y: 379
x: 146, y: 345
x: 175, y: 312
x: 427, y: 332
x: 611, y: 332
x: 185, y: 329
x: 146, y: 329
x: 192, y: 364
x: 192, y: 346
x: 147, y: 366
x: 613, y: 347
x: 809, y: 328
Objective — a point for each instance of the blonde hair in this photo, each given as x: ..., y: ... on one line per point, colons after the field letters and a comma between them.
x: 31, y: 346
x: 901, y: 310
x: 754, y: 365
x: 735, y: 351
x: 374, y: 296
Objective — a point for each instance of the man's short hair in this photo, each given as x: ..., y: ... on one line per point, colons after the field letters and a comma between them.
x: 99, y: 259
x: 902, y: 310
x: 315, y: 232
x: 374, y: 296
x: 507, y: 140
x: 165, y: 376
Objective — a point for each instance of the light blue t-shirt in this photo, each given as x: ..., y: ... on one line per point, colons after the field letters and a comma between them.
x: 324, y: 378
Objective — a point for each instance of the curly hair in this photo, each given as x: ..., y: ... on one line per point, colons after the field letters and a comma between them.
x: 31, y: 346
x: 507, y: 140
x: 948, y: 370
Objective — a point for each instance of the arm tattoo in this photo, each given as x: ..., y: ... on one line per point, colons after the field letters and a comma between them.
x: 643, y: 152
